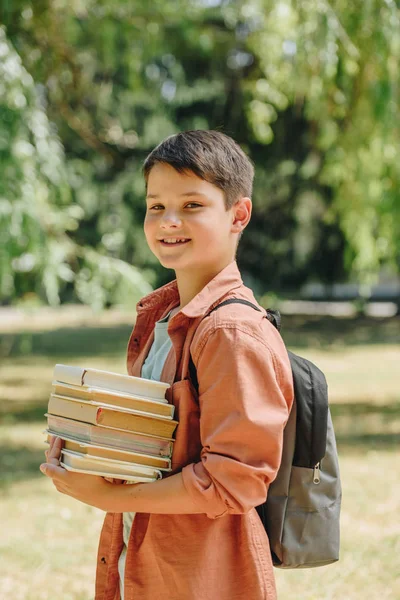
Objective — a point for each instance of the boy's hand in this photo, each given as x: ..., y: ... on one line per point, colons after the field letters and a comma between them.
x: 90, y: 489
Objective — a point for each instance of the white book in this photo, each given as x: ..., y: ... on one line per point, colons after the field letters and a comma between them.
x: 107, y: 380
x: 108, y: 467
x: 127, y: 478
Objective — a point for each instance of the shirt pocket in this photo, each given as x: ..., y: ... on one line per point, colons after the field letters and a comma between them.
x: 187, y: 445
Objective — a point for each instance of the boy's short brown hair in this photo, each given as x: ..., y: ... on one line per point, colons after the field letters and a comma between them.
x: 212, y: 156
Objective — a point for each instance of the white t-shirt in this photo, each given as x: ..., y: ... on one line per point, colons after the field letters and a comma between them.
x: 151, y: 369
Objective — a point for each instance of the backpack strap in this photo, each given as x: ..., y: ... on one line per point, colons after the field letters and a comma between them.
x: 273, y: 317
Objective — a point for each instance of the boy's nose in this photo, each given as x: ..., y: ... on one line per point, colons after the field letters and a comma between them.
x: 170, y: 220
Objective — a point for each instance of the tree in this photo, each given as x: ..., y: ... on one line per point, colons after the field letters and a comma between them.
x: 37, y: 214
x: 308, y: 88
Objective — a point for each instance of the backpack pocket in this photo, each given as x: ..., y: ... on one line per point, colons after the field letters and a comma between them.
x: 311, y: 533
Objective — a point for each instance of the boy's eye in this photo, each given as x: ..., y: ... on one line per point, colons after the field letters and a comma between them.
x: 189, y: 205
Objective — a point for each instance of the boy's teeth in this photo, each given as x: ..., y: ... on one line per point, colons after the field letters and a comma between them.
x: 174, y: 240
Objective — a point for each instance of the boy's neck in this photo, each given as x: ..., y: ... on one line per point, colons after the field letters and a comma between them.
x: 190, y: 284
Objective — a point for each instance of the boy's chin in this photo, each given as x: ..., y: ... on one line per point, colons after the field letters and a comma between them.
x: 176, y: 264
x: 169, y: 263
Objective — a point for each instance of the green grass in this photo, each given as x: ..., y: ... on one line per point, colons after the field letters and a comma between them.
x: 49, y: 541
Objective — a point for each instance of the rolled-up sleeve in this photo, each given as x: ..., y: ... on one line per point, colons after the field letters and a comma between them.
x: 245, y: 394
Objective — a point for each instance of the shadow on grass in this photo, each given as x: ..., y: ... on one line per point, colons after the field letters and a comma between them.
x: 297, y: 331
x: 26, y: 413
x: 364, y: 442
x: 327, y: 332
x: 67, y: 342
x: 351, y: 409
x: 19, y: 464
x: 366, y: 426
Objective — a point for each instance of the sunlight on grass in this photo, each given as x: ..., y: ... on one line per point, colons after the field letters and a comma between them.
x: 62, y: 535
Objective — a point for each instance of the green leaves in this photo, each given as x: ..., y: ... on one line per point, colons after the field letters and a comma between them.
x: 33, y: 187
x: 309, y: 89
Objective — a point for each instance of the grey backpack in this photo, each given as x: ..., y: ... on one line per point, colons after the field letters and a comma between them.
x: 301, y: 514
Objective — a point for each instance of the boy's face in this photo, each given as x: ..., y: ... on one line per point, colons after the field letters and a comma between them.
x: 184, y: 207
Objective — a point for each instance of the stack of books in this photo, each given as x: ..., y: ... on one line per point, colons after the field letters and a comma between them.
x: 113, y: 425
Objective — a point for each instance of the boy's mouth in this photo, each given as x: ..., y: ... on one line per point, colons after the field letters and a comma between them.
x: 174, y: 241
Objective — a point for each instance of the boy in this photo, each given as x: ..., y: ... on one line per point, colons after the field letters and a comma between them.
x: 196, y: 534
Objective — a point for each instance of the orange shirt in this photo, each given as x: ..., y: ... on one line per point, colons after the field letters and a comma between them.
x: 228, y: 447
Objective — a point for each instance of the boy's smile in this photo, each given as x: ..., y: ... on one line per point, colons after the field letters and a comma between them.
x: 174, y: 241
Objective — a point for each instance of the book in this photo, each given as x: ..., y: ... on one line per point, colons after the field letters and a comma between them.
x: 80, y: 376
x: 117, y: 418
x: 109, y: 397
x: 159, y: 462
x: 105, y: 436
x: 109, y: 476
x: 107, y: 468
x: 116, y: 407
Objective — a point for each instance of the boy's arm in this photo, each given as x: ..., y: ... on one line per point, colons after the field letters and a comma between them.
x: 167, y: 496
x: 245, y: 394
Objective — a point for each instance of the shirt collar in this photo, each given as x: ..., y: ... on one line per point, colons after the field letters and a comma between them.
x: 225, y: 281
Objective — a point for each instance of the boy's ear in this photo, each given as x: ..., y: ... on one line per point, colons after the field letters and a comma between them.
x: 241, y: 214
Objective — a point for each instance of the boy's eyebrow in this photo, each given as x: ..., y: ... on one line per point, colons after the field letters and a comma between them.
x: 185, y: 194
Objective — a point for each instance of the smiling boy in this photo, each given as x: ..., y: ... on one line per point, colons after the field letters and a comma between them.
x: 195, y: 535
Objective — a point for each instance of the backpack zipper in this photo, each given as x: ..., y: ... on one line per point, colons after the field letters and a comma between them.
x: 316, y: 478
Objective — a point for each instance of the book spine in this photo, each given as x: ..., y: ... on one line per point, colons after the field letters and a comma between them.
x: 73, y: 409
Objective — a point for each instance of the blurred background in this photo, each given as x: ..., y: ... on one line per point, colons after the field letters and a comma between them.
x: 310, y: 90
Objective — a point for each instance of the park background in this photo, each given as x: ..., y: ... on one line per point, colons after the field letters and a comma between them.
x: 310, y: 89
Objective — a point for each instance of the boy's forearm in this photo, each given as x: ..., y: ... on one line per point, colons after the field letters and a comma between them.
x: 166, y: 496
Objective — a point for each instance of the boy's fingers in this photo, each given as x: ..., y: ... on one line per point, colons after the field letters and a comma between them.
x: 55, y: 450
x: 52, y: 470
x: 53, y: 453
x: 51, y: 444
